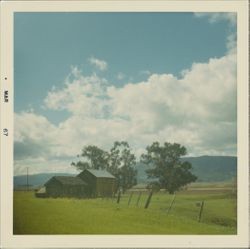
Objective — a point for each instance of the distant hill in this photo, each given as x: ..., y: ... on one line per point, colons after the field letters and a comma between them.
x: 206, y: 168
x: 214, y: 168
x: 35, y: 180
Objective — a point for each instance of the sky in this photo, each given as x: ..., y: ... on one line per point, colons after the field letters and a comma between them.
x: 95, y: 78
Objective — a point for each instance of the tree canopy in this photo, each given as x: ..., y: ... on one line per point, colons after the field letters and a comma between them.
x: 94, y: 158
x: 119, y: 161
x: 169, y: 171
x: 122, y: 165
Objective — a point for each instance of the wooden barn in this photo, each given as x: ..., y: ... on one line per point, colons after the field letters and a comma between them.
x: 89, y: 183
x: 65, y: 186
x: 100, y: 182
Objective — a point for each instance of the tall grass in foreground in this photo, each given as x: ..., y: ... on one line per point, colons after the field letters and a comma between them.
x: 104, y: 216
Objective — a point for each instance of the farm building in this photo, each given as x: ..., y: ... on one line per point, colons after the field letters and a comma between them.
x: 89, y: 183
x: 59, y: 186
x: 100, y: 182
x: 41, y: 193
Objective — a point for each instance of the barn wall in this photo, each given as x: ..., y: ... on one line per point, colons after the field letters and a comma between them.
x: 96, y: 187
x: 56, y: 189
x: 101, y: 186
x: 91, y: 181
x: 73, y: 191
x: 105, y: 186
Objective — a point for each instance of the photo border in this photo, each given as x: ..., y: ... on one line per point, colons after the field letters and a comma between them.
x: 8, y: 240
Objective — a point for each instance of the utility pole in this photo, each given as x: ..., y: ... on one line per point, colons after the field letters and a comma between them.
x: 27, y: 179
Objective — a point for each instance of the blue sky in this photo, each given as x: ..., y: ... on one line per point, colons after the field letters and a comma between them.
x: 47, y: 44
x: 58, y: 57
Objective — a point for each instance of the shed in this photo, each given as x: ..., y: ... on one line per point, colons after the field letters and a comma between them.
x: 60, y: 186
x: 41, y: 192
x: 100, y: 182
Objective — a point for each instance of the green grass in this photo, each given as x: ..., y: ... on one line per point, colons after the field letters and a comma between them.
x: 225, y: 184
x: 103, y: 216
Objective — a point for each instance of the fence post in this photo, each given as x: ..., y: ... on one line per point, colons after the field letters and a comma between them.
x: 130, y: 197
x: 149, y: 199
x: 118, y: 197
x: 138, y: 199
x: 201, y: 210
x: 171, y: 204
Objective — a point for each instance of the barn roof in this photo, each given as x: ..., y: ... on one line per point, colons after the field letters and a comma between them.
x: 100, y: 173
x: 42, y: 190
x: 69, y: 180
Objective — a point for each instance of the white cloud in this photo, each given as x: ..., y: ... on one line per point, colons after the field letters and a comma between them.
x: 36, y: 127
x: 40, y: 165
x: 164, y: 96
x: 197, y: 110
x: 183, y: 110
x: 83, y: 95
x: 213, y: 17
x: 100, y: 64
x: 232, y: 43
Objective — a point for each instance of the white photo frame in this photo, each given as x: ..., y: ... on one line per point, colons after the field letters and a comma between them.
x: 8, y: 240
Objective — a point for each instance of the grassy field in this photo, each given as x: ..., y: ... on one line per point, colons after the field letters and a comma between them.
x: 103, y: 216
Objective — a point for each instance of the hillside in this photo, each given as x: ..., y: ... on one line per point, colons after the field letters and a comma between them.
x: 214, y: 168
x: 35, y: 180
x: 206, y: 168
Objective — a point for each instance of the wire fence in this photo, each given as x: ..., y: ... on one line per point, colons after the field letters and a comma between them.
x: 212, y: 207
